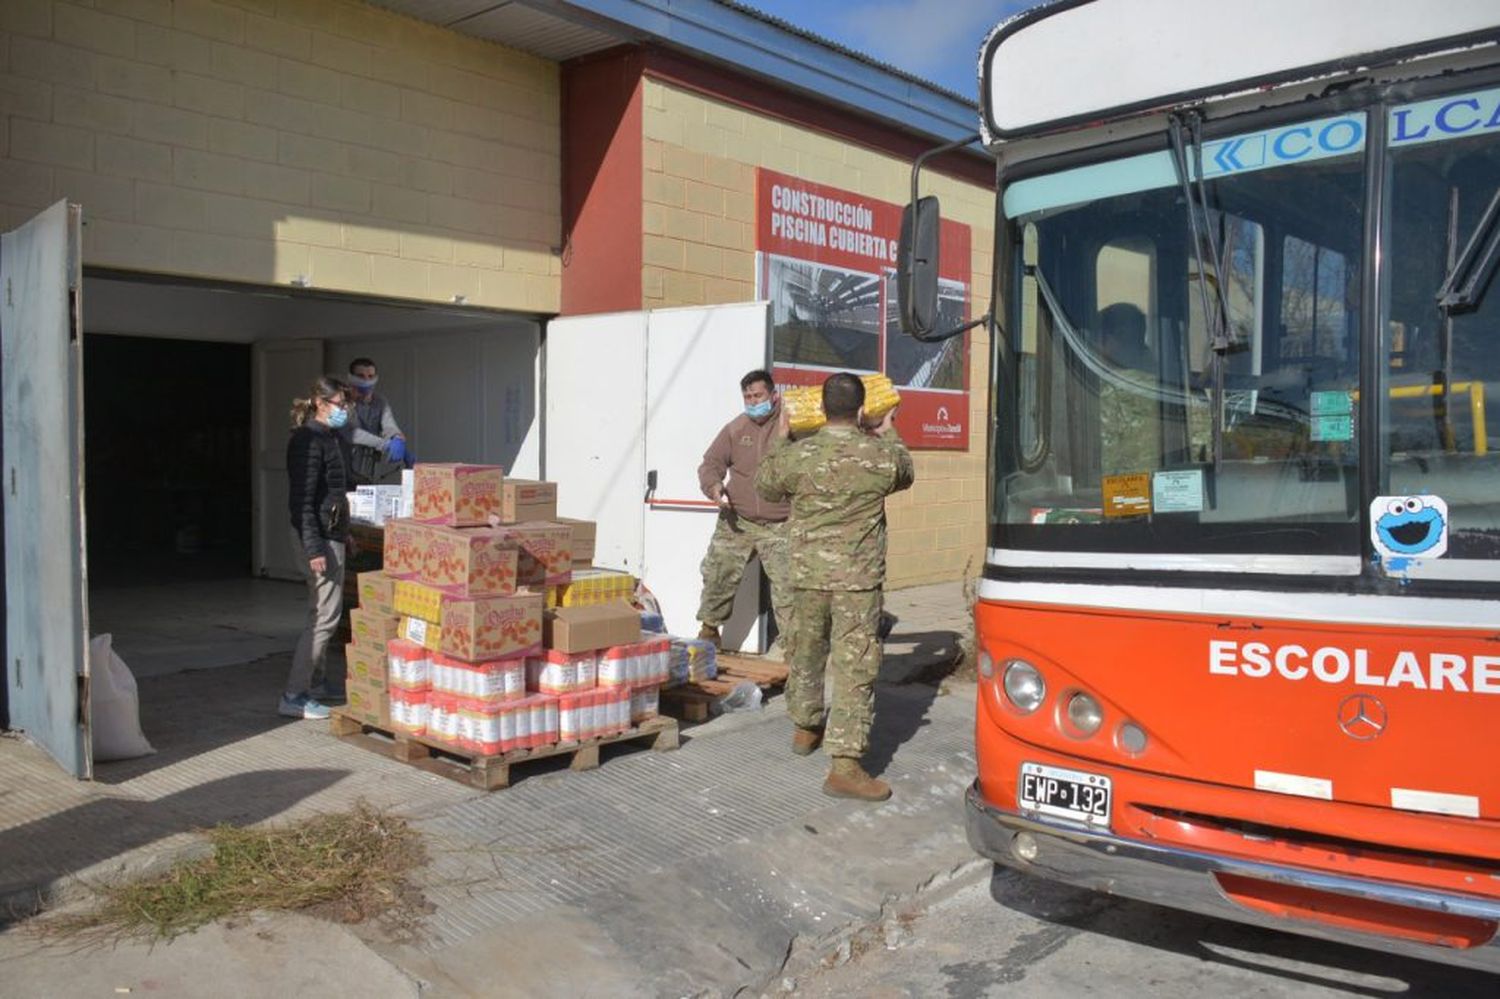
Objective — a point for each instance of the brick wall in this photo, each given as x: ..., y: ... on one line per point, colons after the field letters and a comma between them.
x: 699, y: 220
x: 275, y: 140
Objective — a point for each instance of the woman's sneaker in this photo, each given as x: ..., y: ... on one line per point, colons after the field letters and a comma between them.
x: 302, y: 706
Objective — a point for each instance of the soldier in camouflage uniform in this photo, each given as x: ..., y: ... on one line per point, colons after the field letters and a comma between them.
x: 837, y: 481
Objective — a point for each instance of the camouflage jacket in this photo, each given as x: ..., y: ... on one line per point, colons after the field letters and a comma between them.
x: 837, y: 481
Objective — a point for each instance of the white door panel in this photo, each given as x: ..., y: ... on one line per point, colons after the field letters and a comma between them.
x: 46, y: 584
x: 596, y: 428
x: 696, y: 358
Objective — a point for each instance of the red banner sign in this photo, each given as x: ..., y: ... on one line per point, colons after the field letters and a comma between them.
x: 827, y: 264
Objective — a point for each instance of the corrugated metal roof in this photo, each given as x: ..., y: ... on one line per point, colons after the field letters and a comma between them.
x: 729, y: 32
x: 538, y: 31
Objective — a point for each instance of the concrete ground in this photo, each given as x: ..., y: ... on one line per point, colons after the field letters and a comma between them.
x: 711, y: 869
x: 1003, y: 933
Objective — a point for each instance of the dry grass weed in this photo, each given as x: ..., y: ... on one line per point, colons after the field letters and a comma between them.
x: 349, y: 867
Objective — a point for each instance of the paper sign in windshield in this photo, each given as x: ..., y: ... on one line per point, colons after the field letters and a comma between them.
x: 1177, y: 492
x: 1127, y: 495
x: 1332, y: 404
x: 1332, y: 428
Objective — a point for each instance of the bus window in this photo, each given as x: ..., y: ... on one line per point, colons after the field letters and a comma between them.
x: 1119, y: 374
x: 1442, y: 373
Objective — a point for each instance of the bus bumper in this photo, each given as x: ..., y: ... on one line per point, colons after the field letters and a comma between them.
x: 1430, y: 925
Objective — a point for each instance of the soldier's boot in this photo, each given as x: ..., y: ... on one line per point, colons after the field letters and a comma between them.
x: 847, y: 779
x: 710, y: 633
x: 805, y: 741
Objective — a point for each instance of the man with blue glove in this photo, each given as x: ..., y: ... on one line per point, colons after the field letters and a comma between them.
x: 748, y: 524
x: 374, y: 433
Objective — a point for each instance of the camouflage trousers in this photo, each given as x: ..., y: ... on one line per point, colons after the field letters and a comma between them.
x: 735, y: 540
x: 836, y: 630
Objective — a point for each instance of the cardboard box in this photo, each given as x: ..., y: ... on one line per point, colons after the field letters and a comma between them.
x: 404, y: 546
x: 370, y: 629
x: 377, y: 592
x: 582, y: 629
x: 482, y: 628
x: 423, y: 633
x: 527, y: 499
x: 477, y: 562
x: 375, y: 504
x: 545, y: 556
x: 591, y: 586
x: 585, y: 535
x: 414, y: 599
x: 361, y: 507
x: 368, y: 704
x: 365, y: 665
x: 457, y: 495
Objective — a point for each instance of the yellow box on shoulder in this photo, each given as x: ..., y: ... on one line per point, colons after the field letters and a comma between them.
x: 804, y: 403
x: 880, y: 396
x: 804, y: 408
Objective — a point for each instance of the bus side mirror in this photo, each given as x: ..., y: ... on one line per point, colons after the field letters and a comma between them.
x: 917, y: 267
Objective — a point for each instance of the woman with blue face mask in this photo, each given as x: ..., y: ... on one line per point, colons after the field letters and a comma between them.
x: 318, y: 467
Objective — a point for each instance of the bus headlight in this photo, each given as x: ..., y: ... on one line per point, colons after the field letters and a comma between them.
x: 1024, y: 686
x: 1084, y: 714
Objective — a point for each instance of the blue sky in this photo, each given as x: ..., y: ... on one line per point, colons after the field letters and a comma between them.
x: 937, y: 40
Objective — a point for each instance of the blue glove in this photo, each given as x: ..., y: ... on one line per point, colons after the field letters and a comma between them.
x: 395, y: 449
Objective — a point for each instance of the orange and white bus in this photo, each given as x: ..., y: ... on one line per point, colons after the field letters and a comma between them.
x: 1239, y: 626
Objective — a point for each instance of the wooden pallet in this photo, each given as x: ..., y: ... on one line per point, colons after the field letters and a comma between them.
x: 488, y: 773
x: 693, y: 702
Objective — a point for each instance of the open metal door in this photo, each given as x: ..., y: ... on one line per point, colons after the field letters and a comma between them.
x: 696, y: 357
x: 46, y: 585
x: 595, y: 428
x: 282, y: 370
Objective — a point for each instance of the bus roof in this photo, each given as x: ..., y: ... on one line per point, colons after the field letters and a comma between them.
x: 1077, y: 62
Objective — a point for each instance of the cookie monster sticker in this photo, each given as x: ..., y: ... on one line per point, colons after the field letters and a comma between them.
x: 1409, y: 527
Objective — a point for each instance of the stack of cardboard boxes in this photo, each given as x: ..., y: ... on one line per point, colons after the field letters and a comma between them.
x: 488, y: 640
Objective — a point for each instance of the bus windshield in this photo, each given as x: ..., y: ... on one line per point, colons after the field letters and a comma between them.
x: 1119, y: 377
x: 1444, y: 172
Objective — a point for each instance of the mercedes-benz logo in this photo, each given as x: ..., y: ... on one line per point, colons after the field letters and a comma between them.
x: 1362, y: 717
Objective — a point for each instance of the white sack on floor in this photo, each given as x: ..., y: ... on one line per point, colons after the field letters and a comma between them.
x: 115, y: 707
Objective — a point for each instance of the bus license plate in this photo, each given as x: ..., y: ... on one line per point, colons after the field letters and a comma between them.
x: 1067, y: 794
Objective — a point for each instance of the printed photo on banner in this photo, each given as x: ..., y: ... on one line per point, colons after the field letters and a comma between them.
x: 911, y: 363
x: 822, y: 316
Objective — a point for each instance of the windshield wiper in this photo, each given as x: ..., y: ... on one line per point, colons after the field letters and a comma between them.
x: 1464, y: 287
x: 1200, y: 226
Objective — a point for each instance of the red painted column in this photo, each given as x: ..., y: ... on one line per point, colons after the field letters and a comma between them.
x: 602, y: 180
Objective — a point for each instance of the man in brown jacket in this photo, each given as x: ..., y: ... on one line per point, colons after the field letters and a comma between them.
x: 748, y: 525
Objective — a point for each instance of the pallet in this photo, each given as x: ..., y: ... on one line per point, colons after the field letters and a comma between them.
x: 693, y: 702
x: 488, y: 773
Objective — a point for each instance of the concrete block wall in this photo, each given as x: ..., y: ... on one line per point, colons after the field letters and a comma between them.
x: 279, y: 141
x: 698, y: 205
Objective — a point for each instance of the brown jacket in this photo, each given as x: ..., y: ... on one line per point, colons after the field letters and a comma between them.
x: 738, y: 450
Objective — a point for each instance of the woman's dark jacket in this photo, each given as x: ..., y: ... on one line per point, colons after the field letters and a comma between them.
x: 318, y: 463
